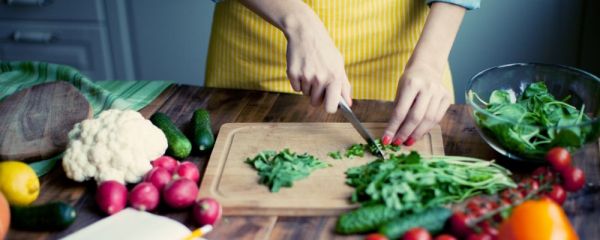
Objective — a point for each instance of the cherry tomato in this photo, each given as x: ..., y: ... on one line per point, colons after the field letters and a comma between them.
x: 528, y: 185
x: 459, y: 224
x: 573, y: 179
x: 559, y: 158
x: 488, y: 228
x: 544, y: 175
x: 376, y: 236
x: 417, y: 234
x: 445, y: 237
x: 511, y: 195
x: 557, y: 194
x: 478, y: 206
x: 480, y: 236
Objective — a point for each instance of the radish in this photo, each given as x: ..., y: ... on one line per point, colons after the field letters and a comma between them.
x: 111, y: 196
x: 159, y: 177
x: 207, y: 211
x: 144, y: 197
x: 166, y: 162
x: 180, y: 193
x: 188, y: 170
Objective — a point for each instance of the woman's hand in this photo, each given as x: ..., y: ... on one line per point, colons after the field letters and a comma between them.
x: 421, y: 99
x: 421, y: 102
x: 314, y: 64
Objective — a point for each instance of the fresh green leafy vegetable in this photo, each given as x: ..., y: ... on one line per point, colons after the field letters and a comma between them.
x: 365, y: 219
x: 409, y: 183
x: 281, y: 169
x: 533, y: 122
x: 358, y: 150
x: 337, y: 155
x: 432, y: 219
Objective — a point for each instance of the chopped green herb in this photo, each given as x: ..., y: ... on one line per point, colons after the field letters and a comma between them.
x: 356, y: 150
x: 530, y: 121
x: 337, y: 155
x: 409, y: 183
x: 281, y: 169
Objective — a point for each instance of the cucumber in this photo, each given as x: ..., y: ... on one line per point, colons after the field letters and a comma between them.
x: 203, y: 135
x: 52, y: 216
x: 179, y: 145
x: 365, y: 219
x: 432, y: 219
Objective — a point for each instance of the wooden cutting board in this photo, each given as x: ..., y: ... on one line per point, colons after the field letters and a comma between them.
x: 235, y: 185
x: 34, y: 122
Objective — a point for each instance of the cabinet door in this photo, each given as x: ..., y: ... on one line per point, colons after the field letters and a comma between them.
x: 68, y: 10
x: 81, y: 47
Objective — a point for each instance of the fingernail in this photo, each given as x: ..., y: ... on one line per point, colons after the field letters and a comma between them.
x: 409, y: 142
x: 386, y: 140
x: 397, y: 142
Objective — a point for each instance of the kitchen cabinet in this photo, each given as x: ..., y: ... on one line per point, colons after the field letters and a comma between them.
x: 110, y: 39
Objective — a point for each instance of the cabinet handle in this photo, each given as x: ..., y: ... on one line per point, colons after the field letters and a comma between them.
x: 28, y: 3
x: 33, y: 37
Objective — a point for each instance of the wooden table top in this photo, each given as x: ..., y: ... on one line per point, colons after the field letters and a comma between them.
x: 459, y: 134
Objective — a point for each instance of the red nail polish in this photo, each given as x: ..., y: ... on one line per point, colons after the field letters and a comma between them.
x: 386, y: 140
x: 397, y: 142
x: 409, y: 142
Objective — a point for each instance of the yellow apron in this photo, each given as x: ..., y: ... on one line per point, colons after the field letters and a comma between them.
x: 376, y: 38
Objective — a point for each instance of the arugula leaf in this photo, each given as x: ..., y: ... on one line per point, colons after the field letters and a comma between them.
x: 277, y: 170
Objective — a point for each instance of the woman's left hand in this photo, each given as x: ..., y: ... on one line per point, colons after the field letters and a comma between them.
x: 421, y: 102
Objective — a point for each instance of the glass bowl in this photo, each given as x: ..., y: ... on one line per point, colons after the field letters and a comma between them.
x: 512, y: 136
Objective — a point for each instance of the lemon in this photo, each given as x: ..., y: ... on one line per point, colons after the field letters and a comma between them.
x: 19, y: 183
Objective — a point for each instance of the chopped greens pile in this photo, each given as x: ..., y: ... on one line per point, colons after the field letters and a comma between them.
x: 536, y: 114
x: 281, y: 169
x: 358, y: 150
x: 410, y: 182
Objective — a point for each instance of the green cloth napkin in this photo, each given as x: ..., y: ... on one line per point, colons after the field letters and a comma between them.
x: 102, y: 95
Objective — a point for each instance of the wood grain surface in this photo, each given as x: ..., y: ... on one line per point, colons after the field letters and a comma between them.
x: 233, y: 182
x: 35, y: 122
x: 459, y: 136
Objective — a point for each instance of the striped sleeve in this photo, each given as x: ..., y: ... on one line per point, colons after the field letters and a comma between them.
x: 468, y: 4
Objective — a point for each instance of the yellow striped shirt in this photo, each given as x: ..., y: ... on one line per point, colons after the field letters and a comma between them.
x: 375, y: 37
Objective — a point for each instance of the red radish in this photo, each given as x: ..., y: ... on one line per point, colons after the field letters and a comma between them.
x: 144, y: 197
x: 188, y: 170
x: 111, y: 196
x: 207, y: 211
x: 166, y: 162
x: 180, y: 193
x: 159, y: 177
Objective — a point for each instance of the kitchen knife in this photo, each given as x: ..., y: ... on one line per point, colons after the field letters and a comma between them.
x: 349, y: 115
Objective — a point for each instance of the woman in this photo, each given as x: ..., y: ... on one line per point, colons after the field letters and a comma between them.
x: 342, y: 49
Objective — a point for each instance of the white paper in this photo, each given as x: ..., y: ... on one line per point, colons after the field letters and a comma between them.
x: 132, y: 224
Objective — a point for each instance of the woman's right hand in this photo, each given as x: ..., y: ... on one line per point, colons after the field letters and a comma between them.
x: 314, y: 64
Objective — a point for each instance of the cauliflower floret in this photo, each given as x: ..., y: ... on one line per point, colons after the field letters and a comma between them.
x: 118, y: 145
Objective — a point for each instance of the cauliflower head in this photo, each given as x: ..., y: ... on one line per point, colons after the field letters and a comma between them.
x: 117, y: 145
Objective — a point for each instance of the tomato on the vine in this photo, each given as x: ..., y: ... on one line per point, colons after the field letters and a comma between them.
x: 557, y: 194
x: 573, y: 179
x: 559, y: 158
x: 544, y: 175
x: 445, y: 237
x: 511, y: 195
x: 488, y: 228
x: 417, y: 233
x: 479, y: 236
x: 528, y: 185
x: 376, y: 236
x: 459, y: 224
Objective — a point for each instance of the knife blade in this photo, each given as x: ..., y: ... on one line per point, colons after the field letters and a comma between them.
x: 364, y: 133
